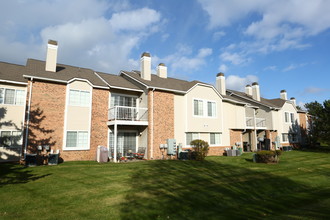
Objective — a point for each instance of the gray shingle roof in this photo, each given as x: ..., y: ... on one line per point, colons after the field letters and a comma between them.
x: 63, y: 72
x: 163, y: 83
x: 117, y: 81
x: 12, y: 72
x: 263, y: 101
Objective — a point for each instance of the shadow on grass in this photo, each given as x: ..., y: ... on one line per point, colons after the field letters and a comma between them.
x: 211, y: 190
x: 14, y: 174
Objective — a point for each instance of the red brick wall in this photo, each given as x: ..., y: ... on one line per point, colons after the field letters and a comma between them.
x: 235, y: 136
x: 163, y: 120
x: 99, y: 128
x: 46, y: 115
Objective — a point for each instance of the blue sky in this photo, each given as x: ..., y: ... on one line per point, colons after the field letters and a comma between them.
x: 282, y: 44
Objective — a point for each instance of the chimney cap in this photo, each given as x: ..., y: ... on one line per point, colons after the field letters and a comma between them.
x: 220, y: 74
x: 53, y: 42
x: 145, y: 54
x: 161, y: 64
x: 248, y: 85
x: 283, y: 90
x: 292, y: 98
x: 255, y: 83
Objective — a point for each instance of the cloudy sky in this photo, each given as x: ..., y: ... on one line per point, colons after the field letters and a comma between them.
x: 282, y: 44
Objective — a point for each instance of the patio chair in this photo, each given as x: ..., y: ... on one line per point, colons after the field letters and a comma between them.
x: 140, y: 153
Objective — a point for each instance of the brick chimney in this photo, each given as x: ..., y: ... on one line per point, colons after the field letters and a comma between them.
x: 248, y: 90
x: 51, y: 58
x: 221, y: 83
x: 255, y: 91
x: 146, y: 66
x: 283, y: 95
x: 162, y: 70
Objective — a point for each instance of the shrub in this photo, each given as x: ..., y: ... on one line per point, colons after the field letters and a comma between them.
x: 267, y: 156
x: 200, y: 149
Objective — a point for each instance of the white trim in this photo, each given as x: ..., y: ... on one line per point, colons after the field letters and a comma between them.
x: 215, y: 145
x: 13, y: 82
x: 122, y: 72
x: 78, y: 148
x: 185, y: 137
x: 44, y: 78
x: 11, y: 135
x: 205, y: 106
x: 28, y: 118
x: 206, y: 85
x: 235, y: 102
x: 15, y: 97
x: 65, y: 116
x: 252, y: 100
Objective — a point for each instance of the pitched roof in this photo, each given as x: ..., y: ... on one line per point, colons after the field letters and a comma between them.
x: 263, y: 101
x: 278, y: 102
x: 162, y: 83
x: 63, y: 72
x: 12, y: 72
x: 116, y: 81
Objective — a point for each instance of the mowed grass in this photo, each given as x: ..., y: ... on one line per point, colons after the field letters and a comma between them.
x: 218, y: 188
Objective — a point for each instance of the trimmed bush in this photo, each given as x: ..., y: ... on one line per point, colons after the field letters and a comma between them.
x: 200, y: 149
x: 267, y: 156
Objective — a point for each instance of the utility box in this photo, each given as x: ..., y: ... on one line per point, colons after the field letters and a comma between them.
x: 171, y: 146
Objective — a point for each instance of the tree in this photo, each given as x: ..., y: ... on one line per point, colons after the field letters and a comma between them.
x: 200, y: 149
x: 319, y: 126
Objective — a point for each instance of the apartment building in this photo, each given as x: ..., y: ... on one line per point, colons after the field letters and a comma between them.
x: 75, y: 110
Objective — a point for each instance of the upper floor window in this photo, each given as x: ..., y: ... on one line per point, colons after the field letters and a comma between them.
x: 79, y: 98
x: 209, y: 106
x: 292, y: 117
x: 198, y: 107
x: 12, y: 96
x: 286, y: 117
x: 121, y: 100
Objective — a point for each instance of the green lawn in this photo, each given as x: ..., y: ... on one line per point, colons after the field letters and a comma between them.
x: 218, y: 188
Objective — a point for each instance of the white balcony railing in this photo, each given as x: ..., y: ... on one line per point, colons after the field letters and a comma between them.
x: 260, y: 122
x: 249, y: 122
x: 128, y: 113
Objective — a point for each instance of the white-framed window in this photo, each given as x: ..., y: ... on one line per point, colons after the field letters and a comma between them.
x: 211, y: 110
x: 10, y: 138
x: 122, y: 100
x: 286, y: 117
x: 79, y: 98
x: 204, y: 108
x: 190, y: 136
x: 292, y: 118
x: 198, y: 107
x: 77, y: 139
x: 285, y: 137
x: 215, y: 139
x: 12, y: 96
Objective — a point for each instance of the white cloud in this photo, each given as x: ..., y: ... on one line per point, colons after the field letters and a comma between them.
x: 270, y: 68
x: 218, y: 35
x: 223, y: 68
x: 238, y: 83
x: 314, y: 90
x: 99, y: 34
x: 294, y: 66
x: 234, y: 58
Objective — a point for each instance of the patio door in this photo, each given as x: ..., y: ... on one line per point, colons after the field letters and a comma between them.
x: 126, y: 142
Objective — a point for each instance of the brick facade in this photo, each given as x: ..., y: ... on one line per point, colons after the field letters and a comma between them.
x: 46, y: 115
x: 235, y: 136
x: 163, y: 120
x: 99, y: 128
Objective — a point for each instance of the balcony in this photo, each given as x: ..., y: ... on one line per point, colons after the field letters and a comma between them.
x: 260, y: 122
x: 123, y: 115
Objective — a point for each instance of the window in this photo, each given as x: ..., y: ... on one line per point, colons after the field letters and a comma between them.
x: 211, y: 109
x: 10, y: 138
x: 77, y: 139
x: 215, y: 138
x: 190, y: 137
x: 79, y: 98
x: 292, y: 117
x: 286, y: 114
x: 120, y: 100
x: 285, y: 137
x: 12, y: 96
x: 198, y: 107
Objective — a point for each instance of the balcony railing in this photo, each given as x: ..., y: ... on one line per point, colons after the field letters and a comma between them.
x: 260, y: 122
x: 128, y: 113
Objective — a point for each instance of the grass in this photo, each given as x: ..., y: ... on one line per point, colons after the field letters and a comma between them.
x: 218, y: 188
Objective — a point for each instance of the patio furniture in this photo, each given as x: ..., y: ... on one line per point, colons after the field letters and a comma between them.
x: 140, y: 153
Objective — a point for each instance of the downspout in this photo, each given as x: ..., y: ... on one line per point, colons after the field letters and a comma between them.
x: 28, y: 118
x: 152, y: 128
